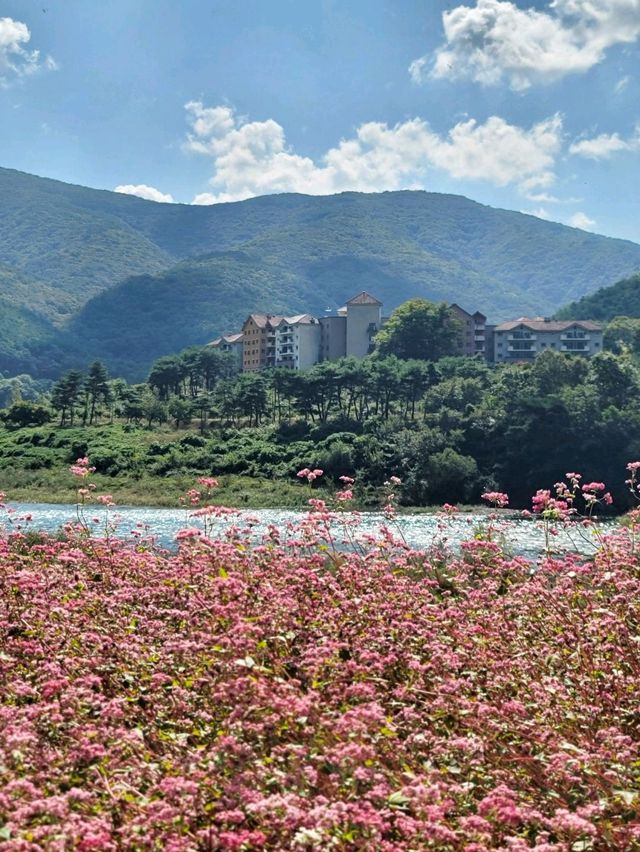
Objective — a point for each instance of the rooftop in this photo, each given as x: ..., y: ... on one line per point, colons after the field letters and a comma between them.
x: 541, y: 324
x: 364, y: 298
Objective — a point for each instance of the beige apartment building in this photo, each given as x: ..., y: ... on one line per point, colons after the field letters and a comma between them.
x: 524, y: 338
x: 259, y: 342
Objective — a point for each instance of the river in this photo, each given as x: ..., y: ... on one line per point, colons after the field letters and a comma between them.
x: 523, y: 537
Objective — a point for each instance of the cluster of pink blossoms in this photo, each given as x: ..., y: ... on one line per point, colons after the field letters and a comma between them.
x: 273, y: 696
x: 310, y: 475
x: 497, y: 498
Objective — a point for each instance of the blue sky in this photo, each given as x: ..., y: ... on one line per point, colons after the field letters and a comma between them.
x: 528, y: 105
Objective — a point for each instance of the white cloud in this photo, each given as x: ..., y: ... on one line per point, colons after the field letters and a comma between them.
x: 581, y: 220
x: 252, y: 157
x: 603, y: 146
x: 496, y: 39
x: 621, y: 85
x: 539, y: 213
x: 15, y: 59
x: 544, y: 198
x: 144, y: 191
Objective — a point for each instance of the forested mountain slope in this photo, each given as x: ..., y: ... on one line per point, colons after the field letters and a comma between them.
x: 621, y: 299
x: 127, y: 280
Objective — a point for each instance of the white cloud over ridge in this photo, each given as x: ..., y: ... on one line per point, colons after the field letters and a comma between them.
x: 141, y: 190
x: 495, y: 39
x: 582, y: 221
x: 16, y: 61
x: 252, y: 157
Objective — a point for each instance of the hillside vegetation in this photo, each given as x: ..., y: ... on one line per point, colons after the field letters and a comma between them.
x: 127, y: 280
x: 621, y: 299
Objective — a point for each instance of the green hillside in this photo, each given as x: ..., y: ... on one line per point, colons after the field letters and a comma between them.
x: 128, y: 280
x: 621, y: 299
x: 69, y: 237
x: 21, y: 333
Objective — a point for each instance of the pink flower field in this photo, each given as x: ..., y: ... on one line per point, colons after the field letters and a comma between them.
x: 288, y: 695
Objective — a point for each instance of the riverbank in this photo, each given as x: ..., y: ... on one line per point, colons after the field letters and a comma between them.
x: 237, y: 492
x: 160, y: 492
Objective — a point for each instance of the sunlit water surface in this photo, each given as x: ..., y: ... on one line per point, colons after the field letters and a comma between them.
x: 420, y: 531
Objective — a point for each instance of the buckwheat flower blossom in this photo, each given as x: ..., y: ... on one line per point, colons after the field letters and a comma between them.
x: 188, y: 533
x: 593, y: 486
x: 498, y: 498
x: 208, y: 482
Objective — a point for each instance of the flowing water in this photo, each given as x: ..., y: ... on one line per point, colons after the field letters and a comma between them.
x: 420, y: 531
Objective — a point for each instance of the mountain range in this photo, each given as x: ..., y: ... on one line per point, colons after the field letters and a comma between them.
x: 88, y: 274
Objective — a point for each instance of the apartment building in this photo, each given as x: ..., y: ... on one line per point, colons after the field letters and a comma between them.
x: 259, y: 342
x: 524, y: 338
x: 472, y: 341
x: 352, y: 329
x: 231, y: 343
x: 297, y: 342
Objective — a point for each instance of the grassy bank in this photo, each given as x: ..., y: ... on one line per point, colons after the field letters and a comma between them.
x: 27, y: 486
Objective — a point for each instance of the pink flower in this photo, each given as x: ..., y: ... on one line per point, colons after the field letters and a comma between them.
x: 498, y: 498
x: 208, y: 482
x: 593, y: 486
x: 187, y: 533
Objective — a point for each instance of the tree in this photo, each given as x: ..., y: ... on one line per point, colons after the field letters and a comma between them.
x: 24, y: 413
x: 65, y: 395
x: 180, y: 410
x: 420, y: 329
x: 96, y: 388
x: 622, y: 333
x: 250, y: 393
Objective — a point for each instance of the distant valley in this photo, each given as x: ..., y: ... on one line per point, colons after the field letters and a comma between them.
x: 88, y: 274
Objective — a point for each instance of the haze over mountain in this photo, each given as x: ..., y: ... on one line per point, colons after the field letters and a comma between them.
x: 88, y: 274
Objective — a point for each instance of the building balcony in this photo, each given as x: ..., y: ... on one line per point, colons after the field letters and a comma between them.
x: 518, y: 349
x: 521, y: 336
x: 573, y: 336
x: 521, y: 354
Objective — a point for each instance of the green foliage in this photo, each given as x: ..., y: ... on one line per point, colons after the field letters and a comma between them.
x: 619, y: 299
x: 421, y: 330
x: 26, y: 413
x: 448, y: 430
x: 622, y: 334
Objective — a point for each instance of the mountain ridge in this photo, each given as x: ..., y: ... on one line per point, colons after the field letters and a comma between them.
x: 121, y: 278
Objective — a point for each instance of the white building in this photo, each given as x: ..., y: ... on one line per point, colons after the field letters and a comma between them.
x: 523, y: 339
x: 232, y: 343
x: 297, y: 341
